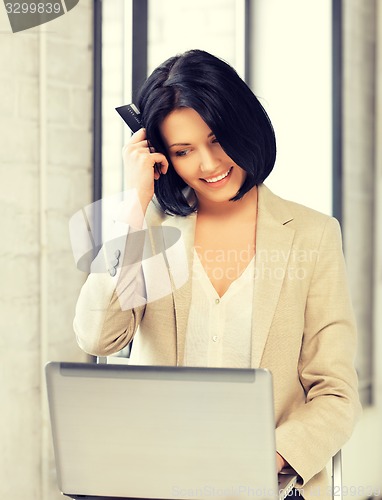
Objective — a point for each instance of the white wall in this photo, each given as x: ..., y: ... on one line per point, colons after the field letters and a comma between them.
x: 291, y: 75
x: 116, y: 42
x: 179, y: 25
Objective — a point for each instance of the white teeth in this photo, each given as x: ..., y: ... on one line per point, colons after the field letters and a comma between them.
x: 219, y: 177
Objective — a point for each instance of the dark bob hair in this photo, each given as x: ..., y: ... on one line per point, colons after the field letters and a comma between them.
x: 210, y: 86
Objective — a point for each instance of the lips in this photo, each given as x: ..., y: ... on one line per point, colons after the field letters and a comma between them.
x: 218, y: 178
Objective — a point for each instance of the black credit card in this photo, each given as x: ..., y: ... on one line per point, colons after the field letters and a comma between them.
x: 131, y: 115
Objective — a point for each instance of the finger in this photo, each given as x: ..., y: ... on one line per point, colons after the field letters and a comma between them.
x: 160, y: 167
x: 159, y: 158
x: 130, y: 147
x: 164, y: 168
x: 138, y: 136
x: 142, y: 144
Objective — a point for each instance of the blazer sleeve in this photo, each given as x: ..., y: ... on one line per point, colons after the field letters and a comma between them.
x: 110, y: 308
x: 315, y: 431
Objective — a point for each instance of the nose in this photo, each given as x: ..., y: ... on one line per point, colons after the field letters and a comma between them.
x: 209, y: 161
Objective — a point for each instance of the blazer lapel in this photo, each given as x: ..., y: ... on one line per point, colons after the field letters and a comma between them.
x: 180, y: 263
x: 273, y: 247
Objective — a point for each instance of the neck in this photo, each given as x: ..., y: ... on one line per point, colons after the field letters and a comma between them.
x: 246, y: 206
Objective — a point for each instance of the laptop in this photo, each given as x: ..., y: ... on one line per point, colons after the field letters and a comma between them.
x: 154, y: 432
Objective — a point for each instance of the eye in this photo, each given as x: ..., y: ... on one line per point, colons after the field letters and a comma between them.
x: 182, y: 152
x: 214, y: 140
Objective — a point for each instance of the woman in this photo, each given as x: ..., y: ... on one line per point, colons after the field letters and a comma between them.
x: 266, y: 285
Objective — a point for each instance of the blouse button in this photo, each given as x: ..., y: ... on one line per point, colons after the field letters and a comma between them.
x: 215, y: 338
x: 217, y: 301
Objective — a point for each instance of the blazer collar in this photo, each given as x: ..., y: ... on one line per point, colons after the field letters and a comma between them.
x: 182, y: 294
x: 274, y: 240
x: 273, y: 246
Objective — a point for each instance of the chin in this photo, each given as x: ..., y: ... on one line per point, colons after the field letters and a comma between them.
x: 217, y: 197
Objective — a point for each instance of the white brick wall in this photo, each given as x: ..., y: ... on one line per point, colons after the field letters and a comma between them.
x: 42, y: 185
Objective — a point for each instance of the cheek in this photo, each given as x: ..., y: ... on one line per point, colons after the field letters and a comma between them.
x: 177, y: 169
x: 180, y: 170
x: 242, y: 173
x: 184, y: 168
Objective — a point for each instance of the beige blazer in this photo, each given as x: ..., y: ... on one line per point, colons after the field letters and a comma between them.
x: 303, y: 329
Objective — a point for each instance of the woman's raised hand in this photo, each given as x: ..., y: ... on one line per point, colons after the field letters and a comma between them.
x: 142, y: 166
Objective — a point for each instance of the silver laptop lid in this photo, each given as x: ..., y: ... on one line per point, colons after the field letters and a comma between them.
x: 162, y: 432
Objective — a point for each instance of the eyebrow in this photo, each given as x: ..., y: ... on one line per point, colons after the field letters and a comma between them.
x: 187, y: 143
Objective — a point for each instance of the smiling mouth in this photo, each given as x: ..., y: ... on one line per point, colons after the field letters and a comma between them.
x: 218, y: 177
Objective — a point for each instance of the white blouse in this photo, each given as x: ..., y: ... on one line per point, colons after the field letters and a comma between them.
x: 219, y: 328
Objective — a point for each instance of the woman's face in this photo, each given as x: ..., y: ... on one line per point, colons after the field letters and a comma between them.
x: 198, y: 158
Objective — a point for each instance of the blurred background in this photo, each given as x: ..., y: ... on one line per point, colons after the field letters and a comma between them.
x: 315, y: 65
